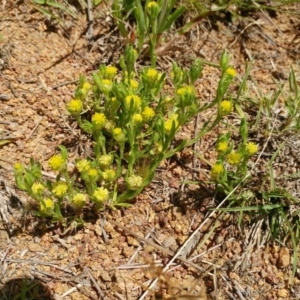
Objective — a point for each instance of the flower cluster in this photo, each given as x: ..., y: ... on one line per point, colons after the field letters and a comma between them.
x: 170, y: 123
x: 56, y: 162
x: 74, y: 107
x: 185, y: 91
x: 216, y: 171
x: 231, y: 165
x: 98, y: 120
x: 226, y: 107
x: 132, y: 120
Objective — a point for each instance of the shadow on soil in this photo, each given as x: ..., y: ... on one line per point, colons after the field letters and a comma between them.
x: 36, y: 226
x: 24, y: 289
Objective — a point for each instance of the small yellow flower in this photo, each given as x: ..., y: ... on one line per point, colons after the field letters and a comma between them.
x: 168, y: 100
x: 117, y: 131
x: 18, y: 166
x: 151, y: 74
x: 216, y: 170
x: 234, y: 158
x: 85, y: 88
x: 74, y: 107
x: 18, y: 169
x: 109, y: 175
x: 47, y: 206
x: 37, y: 188
x: 158, y: 147
x: 98, y: 120
x: 136, y: 100
x: 106, y: 85
x: 118, y: 134
x: 92, y: 173
x: 56, y: 162
x: 137, y: 118
x: 135, y: 181
x: 152, y: 4
x: 251, y: 148
x: 134, y: 84
x: 185, y: 91
x: 79, y: 200
x: 168, y: 125
x: 101, y: 194
x: 222, y: 146
x: 226, y: 107
x: 148, y: 113
x: 181, y: 91
x: 110, y: 72
x: 106, y: 160
x: 231, y: 72
x: 60, y: 188
x: 83, y: 165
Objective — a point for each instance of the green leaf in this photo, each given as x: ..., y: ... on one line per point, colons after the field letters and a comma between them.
x: 244, y: 130
x: 165, y: 26
x: 44, y: 11
x: 64, y: 152
x: 3, y: 142
x: 252, y: 208
x: 194, y: 22
x: 87, y: 127
x: 117, y: 14
x: 122, y: 204
x: 96, y: 2
x: 141, y: 19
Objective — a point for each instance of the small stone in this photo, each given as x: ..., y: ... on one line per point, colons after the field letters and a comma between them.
x: 79, y: 237
x: 283, y: 293
x: 169, y: 242
x: 37, y: 240
x: 132, y: 242
x: 284, y: 258
x: 105, y: 276
x: 178, y: 228
x: 98, y: 230
x: 33, y: 247
x: 128, y: 251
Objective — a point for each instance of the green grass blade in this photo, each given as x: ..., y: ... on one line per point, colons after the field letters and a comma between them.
x: 117, y: 14
x: 165, y: 26
x: 141, y: 23
x: 260, y: 208
x: 163, y: 14
x: 195, y: 21
x: 293, y: 83
x: 294, y: 243
x: 275, y: 154
x: 55, y: 5
x: 244, y: 81
x: 44, y: 11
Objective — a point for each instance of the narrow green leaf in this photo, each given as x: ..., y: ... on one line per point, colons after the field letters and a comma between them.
x: 3, y: 142
x: 252, y: 208
x: 164, y: 27
x: 194, y: 22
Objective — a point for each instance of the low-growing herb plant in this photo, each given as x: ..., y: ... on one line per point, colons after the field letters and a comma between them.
x: 231, y: 166
x: 152, y: 20
x: 53, y: 9
x: 133, y: 123
x: 259, y: 198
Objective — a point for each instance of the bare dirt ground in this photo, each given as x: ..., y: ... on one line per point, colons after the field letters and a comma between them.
x: 109, y: 258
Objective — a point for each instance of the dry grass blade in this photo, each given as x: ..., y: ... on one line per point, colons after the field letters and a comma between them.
x: 162, y: 249
x: 191, y: 238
